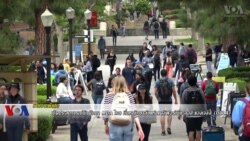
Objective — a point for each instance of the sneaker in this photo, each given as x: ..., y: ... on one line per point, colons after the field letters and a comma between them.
x: 169, y: 131
x: 163, y: 133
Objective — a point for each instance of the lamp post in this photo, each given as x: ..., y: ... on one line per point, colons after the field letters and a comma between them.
x: 88, y: 15
x: 70, y: 13
x: 47, y: 20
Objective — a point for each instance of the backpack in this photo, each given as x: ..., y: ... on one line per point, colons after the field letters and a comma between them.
x: 246, y: 118
x: 165, y: 90
x: 120, y: 104
x: 156, y: 25
x: 99, y: 87
x: 210, y: 89
x: 96, y: 62
x: 194, y: 97
x: 191, y: 56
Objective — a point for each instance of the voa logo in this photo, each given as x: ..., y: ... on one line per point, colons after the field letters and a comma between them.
x: 16, y: 110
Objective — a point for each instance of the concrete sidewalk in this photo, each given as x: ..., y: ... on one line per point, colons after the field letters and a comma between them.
x: 96, y: 126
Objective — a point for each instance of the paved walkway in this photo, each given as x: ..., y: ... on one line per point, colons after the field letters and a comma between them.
x: 96, y: 126
x: 138, y: 40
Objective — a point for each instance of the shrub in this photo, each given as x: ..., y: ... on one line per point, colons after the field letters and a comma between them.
x: 41, y: 99
x: 42, y: 89
x: 44, y: 128
x: 241, y: 83
x: 238, y: 72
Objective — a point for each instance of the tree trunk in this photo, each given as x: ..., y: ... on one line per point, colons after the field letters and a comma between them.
x: 227, y: 41
x: 40, y: 34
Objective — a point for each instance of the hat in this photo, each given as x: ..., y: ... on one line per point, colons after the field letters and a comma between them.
x: 141, y: 86
x: 14, y: 85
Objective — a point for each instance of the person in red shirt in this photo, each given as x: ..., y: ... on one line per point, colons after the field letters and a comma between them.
x: 211, y: 89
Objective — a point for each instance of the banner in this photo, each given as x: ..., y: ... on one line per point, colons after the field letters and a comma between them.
x: 224, y: 62
x: 227, y: 88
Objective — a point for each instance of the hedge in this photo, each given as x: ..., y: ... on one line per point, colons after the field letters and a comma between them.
x: 42, y: 89
x: 241, y: 83
x: 44, y: 128
x: 238, y: 72
x: 41, y: 99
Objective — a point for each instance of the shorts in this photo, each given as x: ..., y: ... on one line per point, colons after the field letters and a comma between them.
x: 165, y: 106
x: 194, y: 124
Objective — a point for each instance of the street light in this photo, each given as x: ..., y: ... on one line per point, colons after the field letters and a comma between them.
x: 70, y: 13
x: 47, y: 20
x: 88, y: 15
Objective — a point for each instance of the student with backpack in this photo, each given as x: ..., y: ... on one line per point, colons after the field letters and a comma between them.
x: 193, y: 95
x: 241, y: 116
x: 120, y: 127
x: 164, y: 90
x: 97, y: 88
x: 156, y: 29
x: 157, y: 65
x: 210, y: 89
x: 191, y: 55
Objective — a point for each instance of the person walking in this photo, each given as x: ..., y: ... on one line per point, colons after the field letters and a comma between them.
x: 114, y: 34
x: 164, y: 90
x: 168, y: 65
x: 193, y: 95
x: 143, y: 97
x: 210, y: 89
x: 129, y: 73
x: 156, y: 29
x: 233, y: 54
x: 120, y: 128
x: 157, y: 65
x: 88, y: 68
x: 239, y: 119
x: 111, y: 60
x: 146, y: 29
x: 16, y: 123
x: 102, y: 46
x: 97, y: 86
x: 209, y: 58
x: 182, y: 50
x: 164, y: 28
x: 191, y: 54
x: 79, y: 124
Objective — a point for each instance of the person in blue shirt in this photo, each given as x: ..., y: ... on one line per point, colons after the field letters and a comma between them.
x: 129, y: 73
x: 237, y: 115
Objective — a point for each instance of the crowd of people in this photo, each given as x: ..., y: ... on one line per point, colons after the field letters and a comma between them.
x: 130, y: 85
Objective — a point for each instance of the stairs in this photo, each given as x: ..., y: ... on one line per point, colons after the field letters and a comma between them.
x: 127, y: 49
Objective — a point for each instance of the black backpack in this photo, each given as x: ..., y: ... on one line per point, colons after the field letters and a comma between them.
x: 164, y: 90
x: 156, y: 25
x: 96, y: 62
x: 194, y: 97
x: 99, y: 86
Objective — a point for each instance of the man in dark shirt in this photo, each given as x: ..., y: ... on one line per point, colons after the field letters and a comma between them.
x: 129, y: 73
x: 209, y: 58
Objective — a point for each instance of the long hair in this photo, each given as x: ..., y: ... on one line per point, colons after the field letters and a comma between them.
x: 119, y: 85
x: 147, y: 99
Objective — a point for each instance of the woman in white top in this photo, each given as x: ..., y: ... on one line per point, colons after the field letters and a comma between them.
x: 62, y: 91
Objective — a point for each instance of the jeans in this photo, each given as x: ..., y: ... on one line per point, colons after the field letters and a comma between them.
x: 111, y: 69
x: 102, y: 52
x: 97, y: 100
x: 121, y: 133
x: 209, y: 66
x: 156, y: 34
x: 89, y: 76
x: 146, y: 130
x: 64, y: 100
x: 15, y: 133
x: 211, y: 105
x: 164, y: 34
x: 157, y: 71
x: 233, y: 61
x: 3, y: 135
x: 114, y: 40
x: 75, y: 129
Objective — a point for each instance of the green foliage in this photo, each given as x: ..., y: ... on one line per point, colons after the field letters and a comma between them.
x: 143, y: 6
x: 41, y: 99
x: 10, y: 42
x: 169, y: 4
x: 44, y: 128
x: 238, y: 72
x: 42, y: 90
x: 241, y: 83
